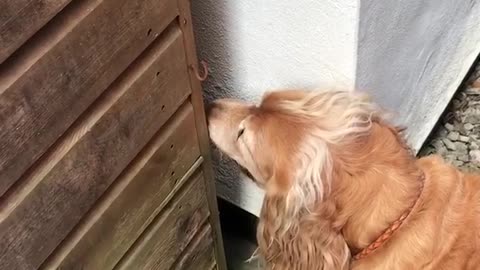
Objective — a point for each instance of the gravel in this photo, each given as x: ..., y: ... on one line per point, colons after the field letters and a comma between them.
x: 456, y: 136
x: 453, y: 136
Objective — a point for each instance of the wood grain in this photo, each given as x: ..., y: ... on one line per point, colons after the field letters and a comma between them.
x: 172, y: 230
x: 200, y: 254
x: 198, y: 107
x: 37, y: 215
x: 132, y: 202
x: 15, y: 29
x: 49, y: 84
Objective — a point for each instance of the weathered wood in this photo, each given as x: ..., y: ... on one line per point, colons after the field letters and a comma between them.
x: 171, y: 232
x: 20, y: 19
x: 53, y: 197
x: 53, y: 81
x: 136, y: 197
x: 200, y: 254
x: 198, y: 107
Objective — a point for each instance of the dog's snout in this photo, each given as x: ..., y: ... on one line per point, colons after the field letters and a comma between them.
x: 208, y: 108
x: 211, y: 109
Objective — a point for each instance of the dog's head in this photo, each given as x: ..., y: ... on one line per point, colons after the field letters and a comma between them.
x: 291, y: 144
x: 262, y: 139
x: 286, y: 141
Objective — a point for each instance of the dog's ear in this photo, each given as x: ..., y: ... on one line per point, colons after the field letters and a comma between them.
x: 282, y: 177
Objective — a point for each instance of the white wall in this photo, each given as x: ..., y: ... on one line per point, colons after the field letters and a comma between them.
x: 412, y: 55
x: 255, y: 45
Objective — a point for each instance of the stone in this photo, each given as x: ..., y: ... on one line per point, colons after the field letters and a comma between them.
x: 442, y: 132
x: 473, y: 91
x: 469, y: 111
x: 456, y: 104
x: 474, y: 103
x: 453, y: 135
x: 473, y: 118
x: 439, y: 147
x: 475, y: 130
x: 475, y: 156
x: 449, y: 127
x: 468, y: 126
x: 449, y: 144
x: 461, y: 148
x: 474, y: 146
x: 460, y: 128
x: 464, y: 158
x: 464, y: 139
x: 450, y: 157
x: 458, y: 163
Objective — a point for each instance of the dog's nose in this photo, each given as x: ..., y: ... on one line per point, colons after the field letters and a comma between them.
x: 212, y: 107
x: 210, y: 110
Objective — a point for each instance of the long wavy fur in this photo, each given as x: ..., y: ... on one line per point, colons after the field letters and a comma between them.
x: 299, y: 230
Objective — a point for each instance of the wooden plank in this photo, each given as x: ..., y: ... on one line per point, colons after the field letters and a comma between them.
x: 139, y: 194
x: 200, y: 254
x: 20, y: 19
x: 198, y: 107
x: 37, y: 215
x: 166, y: 238
x: 51, y: 83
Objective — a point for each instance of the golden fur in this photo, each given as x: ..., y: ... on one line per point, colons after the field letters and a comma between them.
x: 336, y: 175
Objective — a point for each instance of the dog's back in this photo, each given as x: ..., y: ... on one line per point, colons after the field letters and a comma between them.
x: 340, y: 182
x: 444, y: 232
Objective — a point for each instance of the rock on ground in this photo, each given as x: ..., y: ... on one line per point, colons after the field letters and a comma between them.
x: 457, y: 135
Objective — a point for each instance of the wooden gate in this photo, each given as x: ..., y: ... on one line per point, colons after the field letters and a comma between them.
x: 104, y: 158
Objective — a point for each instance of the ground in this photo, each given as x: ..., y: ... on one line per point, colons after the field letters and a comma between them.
x: 238, y: 229
x: 457, y: 135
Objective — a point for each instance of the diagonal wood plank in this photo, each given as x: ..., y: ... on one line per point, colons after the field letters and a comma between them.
x: 37, y: 215
x: 171, y: 231
x: 15, y: 29
x: 132, y: 202
x: 200, y: 254
x: 54, y: 81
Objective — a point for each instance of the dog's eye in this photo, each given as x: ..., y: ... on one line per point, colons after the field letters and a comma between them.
x: 240, y: 133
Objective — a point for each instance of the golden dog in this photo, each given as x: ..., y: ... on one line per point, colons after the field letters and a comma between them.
x: 342, y: 189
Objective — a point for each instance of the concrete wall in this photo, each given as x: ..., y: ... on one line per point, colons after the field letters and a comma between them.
x: 412, y: 55
x: 253, y: 45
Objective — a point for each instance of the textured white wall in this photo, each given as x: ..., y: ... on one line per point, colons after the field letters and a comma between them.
x: 413, y: 55
x: 410, y: 54
x: 255, y: 45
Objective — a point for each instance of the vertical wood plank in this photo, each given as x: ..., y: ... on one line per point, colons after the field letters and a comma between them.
x: 185, y: 21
